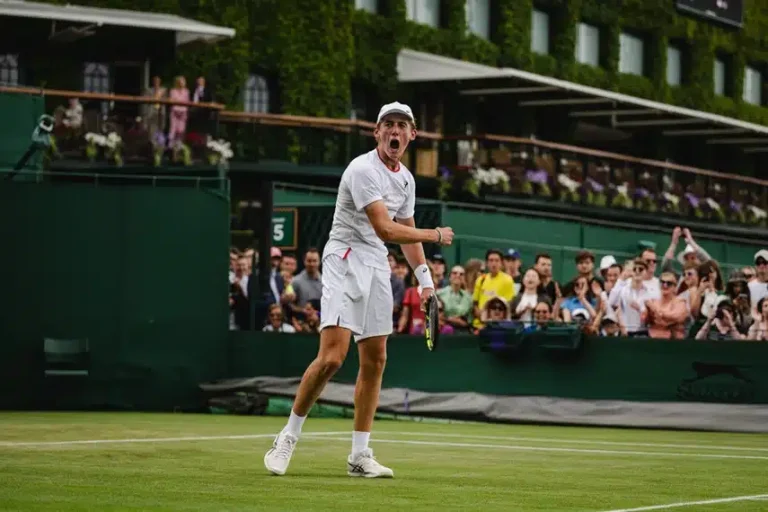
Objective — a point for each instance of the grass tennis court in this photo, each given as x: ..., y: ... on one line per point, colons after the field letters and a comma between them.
x: 132, y: 461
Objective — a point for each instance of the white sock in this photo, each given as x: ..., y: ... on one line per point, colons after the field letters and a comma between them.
x: 295, y: 422
x: 359, y: 441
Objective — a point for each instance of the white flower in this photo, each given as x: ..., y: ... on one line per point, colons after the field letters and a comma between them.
x: 667, y: 181
x: 567, y: 182
x: 759, y: 213
x: 671, y: 198
x: 220, y: 146
x: 713, y: 204
x: 622, y: 189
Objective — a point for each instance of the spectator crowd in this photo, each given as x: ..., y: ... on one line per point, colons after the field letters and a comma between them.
x: 637, y: 297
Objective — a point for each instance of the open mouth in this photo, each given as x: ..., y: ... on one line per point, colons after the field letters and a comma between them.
x: 394, y: 144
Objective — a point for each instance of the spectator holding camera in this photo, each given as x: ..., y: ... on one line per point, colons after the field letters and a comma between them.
x: 720, y: 323
x: 738, y: 292
x: 693, y: 254
x: 667, y: 315
x: 759, y: 329
x: 710, y: 286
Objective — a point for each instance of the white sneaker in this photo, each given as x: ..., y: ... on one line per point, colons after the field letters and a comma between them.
x: 363, y: 464
x: 279, y: 456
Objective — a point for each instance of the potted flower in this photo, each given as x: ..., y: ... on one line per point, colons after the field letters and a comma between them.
x: 113, y: 144
x: 621, y: 198
x: 181, y: 153
x: 486, y: 180
x: 219, y: 152
x: 94, y: 141
x: 536, y: 183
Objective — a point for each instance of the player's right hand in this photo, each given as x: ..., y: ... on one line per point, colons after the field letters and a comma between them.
x: 447, y: 235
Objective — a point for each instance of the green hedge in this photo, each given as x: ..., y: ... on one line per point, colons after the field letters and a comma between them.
x: 314, y: 49
x: 657, y: 21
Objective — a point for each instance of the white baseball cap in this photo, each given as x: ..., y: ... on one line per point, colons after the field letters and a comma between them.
x: 607, y: 261
x: 395, y: 108
x: 762, y: 253
x: 688, y: 250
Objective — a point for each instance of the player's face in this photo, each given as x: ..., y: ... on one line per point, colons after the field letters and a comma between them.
x: 393, y: 134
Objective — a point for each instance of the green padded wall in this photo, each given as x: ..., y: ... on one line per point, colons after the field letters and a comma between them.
x: 605, y: 368
x: 139, y: 271
x: 19, y: 114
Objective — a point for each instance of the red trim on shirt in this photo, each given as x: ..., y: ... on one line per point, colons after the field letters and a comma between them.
x: 385, y: 164
x: 349, y: 249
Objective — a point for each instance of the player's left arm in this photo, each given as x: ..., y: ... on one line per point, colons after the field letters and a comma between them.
x: 414, y: 253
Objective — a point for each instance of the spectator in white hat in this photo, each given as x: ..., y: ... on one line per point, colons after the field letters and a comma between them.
x: 759, y: 287
x: 691, y: 254
x: 610, y: 270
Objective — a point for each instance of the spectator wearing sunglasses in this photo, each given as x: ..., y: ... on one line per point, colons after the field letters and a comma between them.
x: 667, y: 315
x: 275, y: 321
x: 759, y: 329
x: 759, y: 287
x: 631, y: 298
x: 496, y: 310
x: 750, y: 274
x: 542, y: 313
x: 457, y: 300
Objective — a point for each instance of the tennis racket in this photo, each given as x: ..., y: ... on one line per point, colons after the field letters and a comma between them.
x: 431, y: 326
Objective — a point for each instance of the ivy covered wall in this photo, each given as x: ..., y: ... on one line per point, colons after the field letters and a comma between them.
x: 313, y: 50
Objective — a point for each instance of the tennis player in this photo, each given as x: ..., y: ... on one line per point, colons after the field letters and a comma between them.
x: 375, y: 204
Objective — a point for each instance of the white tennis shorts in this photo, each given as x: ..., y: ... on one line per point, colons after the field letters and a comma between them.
x: 356, y: 296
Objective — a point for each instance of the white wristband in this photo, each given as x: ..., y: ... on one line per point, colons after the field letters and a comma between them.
x: 424, y: 276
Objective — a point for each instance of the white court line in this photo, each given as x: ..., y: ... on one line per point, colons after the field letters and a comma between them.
x: 691, y: 503
x: 578, y: 441
x: 375, y: 440
x: 11, y: 444
x: 326, y: 437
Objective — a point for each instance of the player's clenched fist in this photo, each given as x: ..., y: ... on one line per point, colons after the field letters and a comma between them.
x: 445, y: 236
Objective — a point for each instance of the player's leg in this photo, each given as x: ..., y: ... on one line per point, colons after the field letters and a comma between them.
x: 372, y: 351
x: 334, y: 344
x: 340, y: 317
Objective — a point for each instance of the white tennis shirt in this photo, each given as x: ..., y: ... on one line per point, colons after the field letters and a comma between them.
x: 365, y: 180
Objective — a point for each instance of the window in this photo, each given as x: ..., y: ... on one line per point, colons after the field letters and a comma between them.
x: 588, y: 44
x: 674, y: 65
x: 479, y: 17
x: 630, y: 54
x: 753, y: 84
x: 719, y: 73
x: 96, y: 77
x: 9, y: 70
x: 367, y: 5
x: 539, y: 32
x: 256, y: 97
x: 426, y: 12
